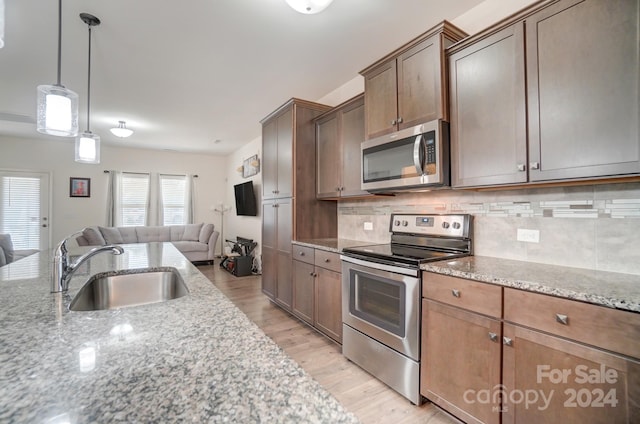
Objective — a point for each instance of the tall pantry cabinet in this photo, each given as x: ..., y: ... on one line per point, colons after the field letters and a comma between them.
x: 290, y: 210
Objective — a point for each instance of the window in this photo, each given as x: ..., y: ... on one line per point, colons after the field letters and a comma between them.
x: 23, y: 208
x: 134, y: 199
x: 173, y: 192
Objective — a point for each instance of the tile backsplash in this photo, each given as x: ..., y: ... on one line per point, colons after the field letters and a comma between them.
x: 594, y: 226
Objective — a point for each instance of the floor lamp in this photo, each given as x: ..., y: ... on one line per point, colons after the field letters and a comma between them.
x: 222, y: 209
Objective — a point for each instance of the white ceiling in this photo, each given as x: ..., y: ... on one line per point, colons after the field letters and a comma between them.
x: 184, y: 74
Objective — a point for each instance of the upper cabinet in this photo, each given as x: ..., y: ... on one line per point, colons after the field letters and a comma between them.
x: 409, y: 86
x: 550, y: 95
x: 339, y: 133
x: 277, y: 147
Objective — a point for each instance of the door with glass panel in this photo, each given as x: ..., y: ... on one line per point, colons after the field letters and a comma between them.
x: 24, y: 208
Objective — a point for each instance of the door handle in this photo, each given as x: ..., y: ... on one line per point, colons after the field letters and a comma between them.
x: 418, y: 154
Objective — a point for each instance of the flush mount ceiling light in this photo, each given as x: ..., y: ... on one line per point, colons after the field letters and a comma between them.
x: 57, y: 112
x: 121, y: 130
x: 87, y: 143
x: 309, y: 7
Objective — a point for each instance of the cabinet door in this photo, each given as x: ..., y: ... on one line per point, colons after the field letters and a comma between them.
x: 269, y: 243
x: 328, y: 302
x: 460, y: 362
x: 303, y: 291
x: 488, y: 115
x: 269, y: 159
x: 420, y: 84
x: 381, y: 100
x: 352, y: 136
x: 548, y: 379
x: 284, y: 290
x: 582, y: 64
x: 285, y: 154
x: 328, y: 154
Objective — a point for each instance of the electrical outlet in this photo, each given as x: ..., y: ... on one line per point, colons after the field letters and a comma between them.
x: 529, y: 236
x: 368, y: 226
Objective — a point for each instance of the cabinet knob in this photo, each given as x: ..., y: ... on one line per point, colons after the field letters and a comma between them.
x: 534, y: 165
x: 311, y: 274
x: 393, y: 122
x: 399, y: 120
x: 327, y: 260
x: 507, y: 341
x: 562, y: 319
x: 522, y: 167
x: 455, y: 293
x: 493, y: 337
x: 301, y: 253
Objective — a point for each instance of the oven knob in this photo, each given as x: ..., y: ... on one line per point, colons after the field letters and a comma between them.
x: 445, y: 225
x: 396, y: 223
x: 405, y: 223
x: 456, y: 225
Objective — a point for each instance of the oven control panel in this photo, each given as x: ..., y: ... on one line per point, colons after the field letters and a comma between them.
x: 431, y: 225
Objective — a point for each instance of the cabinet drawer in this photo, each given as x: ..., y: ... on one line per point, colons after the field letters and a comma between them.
x: 475, y: 296
x: 328, y: 260
x: 611, y: 329
x: 303, y: 253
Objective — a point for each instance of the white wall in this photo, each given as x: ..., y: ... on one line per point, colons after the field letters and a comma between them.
x: 243, y: 226
x: 71, y: 214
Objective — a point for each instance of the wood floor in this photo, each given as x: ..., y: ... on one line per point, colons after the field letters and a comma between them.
x: 370, y: 400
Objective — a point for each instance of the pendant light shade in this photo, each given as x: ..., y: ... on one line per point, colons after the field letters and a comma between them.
x: 87, y: 143
x: 57, y: 112
x: 121, y: 130
x: 88, y: 148
x: 309, y: 7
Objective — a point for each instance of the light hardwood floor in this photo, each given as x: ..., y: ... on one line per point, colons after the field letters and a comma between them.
x: 370, y: 400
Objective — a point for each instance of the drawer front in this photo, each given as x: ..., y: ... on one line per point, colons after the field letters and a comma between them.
x: 303, y: 253
x: 474, y: 296
x: 611, y: 329
x: 328, y: 260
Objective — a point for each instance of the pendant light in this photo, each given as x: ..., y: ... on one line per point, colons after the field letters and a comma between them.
x: 57, y: 112
x: 87, y: 143
x: 121, y: 130
x: 309, y: 7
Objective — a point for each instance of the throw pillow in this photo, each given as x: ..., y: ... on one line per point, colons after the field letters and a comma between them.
x: 93, y: 237
x: 205, y: 233
x: 7, y: 246
x: 111, y: 235
x: 3, y: 259
x: 191, y: 232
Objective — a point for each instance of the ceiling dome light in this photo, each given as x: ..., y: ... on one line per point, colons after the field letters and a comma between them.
x: 121, y: 130
x: 309, y: 7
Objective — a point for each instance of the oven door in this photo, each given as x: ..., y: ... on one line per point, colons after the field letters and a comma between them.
x: 383, y: 302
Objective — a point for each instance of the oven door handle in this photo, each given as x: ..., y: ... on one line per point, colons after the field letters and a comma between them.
x: 412, y: 272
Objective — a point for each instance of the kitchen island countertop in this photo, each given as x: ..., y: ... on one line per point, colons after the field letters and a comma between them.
x: 197, y: 358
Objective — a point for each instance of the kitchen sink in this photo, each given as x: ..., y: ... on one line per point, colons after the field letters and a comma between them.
x: 129, y: 288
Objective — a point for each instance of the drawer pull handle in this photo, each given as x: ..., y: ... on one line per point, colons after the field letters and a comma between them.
x: 455, y: 293
x: 507, y: 341
x: 562, y: 319
x: 493, y: 337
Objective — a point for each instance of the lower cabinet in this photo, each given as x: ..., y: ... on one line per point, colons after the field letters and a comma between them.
x: 317, y: 289
x: 501, y: 355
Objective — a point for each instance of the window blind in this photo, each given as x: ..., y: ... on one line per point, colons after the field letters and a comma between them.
x: 173, y: 191
x: 20, y: 211
x: 134, y: 195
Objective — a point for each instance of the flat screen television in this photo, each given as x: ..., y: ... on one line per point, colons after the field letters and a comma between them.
x: 245, y: 199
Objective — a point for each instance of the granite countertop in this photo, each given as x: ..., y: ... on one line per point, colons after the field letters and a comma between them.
x: 614, y: 290
x: 330, y: 244
x: 193, y: 359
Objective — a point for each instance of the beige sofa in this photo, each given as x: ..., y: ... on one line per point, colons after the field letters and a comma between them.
x: 197, y: 242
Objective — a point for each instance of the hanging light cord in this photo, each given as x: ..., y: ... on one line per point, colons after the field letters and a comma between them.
x: 89, y: 82
x: 59, y: 41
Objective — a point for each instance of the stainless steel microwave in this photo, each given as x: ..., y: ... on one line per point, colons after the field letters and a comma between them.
x: 413, y: 158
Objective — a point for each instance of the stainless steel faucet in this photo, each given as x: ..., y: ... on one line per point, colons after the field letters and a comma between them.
x: 63, y: 270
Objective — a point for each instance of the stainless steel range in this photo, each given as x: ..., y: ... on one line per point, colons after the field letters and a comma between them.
x: 382, y: 290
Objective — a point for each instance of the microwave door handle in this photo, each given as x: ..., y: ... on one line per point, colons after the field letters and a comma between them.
x: 418, y: 154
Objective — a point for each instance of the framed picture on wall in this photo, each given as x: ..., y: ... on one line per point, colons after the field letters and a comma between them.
x: 79, y: 187
x: 251, y: 166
